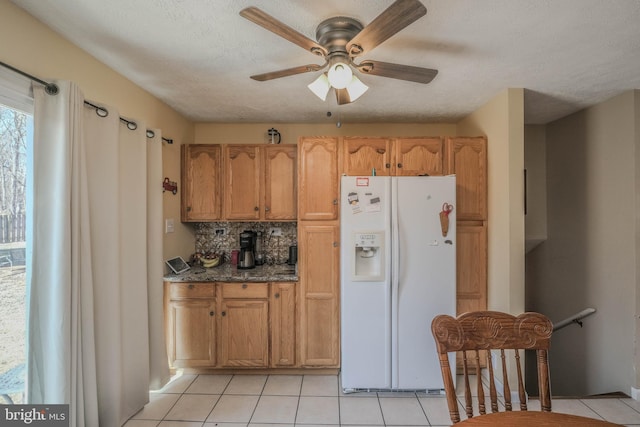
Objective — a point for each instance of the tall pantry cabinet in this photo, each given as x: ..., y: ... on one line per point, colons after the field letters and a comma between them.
x: 466, y: 157
x: 319, y: 252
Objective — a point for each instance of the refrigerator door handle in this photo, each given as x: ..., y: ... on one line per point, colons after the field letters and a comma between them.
x: 395, y: 244
x: 395, y: 281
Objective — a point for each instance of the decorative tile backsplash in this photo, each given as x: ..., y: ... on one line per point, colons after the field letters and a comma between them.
x: 225, y: 236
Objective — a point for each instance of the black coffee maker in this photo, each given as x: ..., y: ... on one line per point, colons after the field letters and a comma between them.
x: 246, y: 258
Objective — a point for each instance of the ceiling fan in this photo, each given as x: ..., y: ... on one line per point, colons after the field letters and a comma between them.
x: 340, y: 40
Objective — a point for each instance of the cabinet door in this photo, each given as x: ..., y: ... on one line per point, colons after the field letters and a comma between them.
x: 201, y: 178
x: 362, y: 155
x: 318, y: 262
x: 191, y: 332
x: 467, y: 158
x: 244, y: 335
x: 318, y: 179
x: 242, y: 182
x: 280, y: 194
x: 471, y: 259
x: 283, y: 330
x: 418, y: 156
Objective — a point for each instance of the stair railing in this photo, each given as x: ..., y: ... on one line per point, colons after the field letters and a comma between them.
x: 576, y: 318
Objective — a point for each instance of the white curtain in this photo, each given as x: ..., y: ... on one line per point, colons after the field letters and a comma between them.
x: 88, y: 318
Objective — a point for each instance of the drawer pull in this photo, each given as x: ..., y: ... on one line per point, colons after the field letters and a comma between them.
x: 244, y: 286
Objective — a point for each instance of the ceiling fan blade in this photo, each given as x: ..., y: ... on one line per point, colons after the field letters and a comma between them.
x: 270, y: 23
x: 288, y: 72
x: 397, y: 71
x: 396, y: 17
x: 342, y: 96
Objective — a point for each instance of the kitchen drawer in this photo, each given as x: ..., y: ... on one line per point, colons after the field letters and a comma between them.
x: 192, y: 290
x: 245, y: 290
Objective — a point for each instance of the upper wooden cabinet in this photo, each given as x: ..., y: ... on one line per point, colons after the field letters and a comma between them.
x: 393, y: 156
x: 201, y: 183
x: 259, y: 182
x: 318, y: 178
x: 419, y: 156
x: 362, y: 155
x: 242, y: 170
x: 280, y: 182
x: 466, y: 157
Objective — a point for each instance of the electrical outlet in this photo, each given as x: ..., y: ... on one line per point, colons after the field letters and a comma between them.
x: 275, y: 231
x: 220, y: 231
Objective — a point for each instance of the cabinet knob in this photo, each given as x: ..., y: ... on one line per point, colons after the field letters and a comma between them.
x: 399, y: 165
x: 224, y: 313
x: 335, y: 201
x: 191, y: 286
x: 380, y: 151
x: 335, y: 244
x: 387, y: 165
x: 256, y: 208
x: 276, y: 295
x: 244, y: 286
x: 211, y: 313
x: 267, y: 209
x: 188, y: 208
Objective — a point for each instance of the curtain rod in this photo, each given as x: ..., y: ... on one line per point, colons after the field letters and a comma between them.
x: 52, y: 89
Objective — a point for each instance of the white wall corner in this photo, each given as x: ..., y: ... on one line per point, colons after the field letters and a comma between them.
x: 635, y: 393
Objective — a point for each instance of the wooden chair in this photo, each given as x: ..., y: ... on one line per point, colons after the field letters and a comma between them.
x: 473, y: 332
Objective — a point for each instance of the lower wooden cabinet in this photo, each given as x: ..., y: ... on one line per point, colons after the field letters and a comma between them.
x: 244, y: 333
x: 190, y: 325
x: 471, y: 261
x: 230, y: 325
x: 319, y: 298
x: 282, y: 306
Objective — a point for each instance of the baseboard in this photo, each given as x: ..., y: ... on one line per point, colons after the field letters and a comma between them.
x: 635, y: 393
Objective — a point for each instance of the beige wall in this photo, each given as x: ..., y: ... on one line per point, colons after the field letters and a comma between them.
x: 32, y: 47
x: 256, y: 133
x: 502, y: 121
x: 535, y: 162
x: 590, y: 256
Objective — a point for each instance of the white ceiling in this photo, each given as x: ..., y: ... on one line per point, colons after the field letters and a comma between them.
x: 197, y: 55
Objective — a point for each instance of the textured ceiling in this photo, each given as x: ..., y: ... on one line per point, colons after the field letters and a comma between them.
x: 197, y: 55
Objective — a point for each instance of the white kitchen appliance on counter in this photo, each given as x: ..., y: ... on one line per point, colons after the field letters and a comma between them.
x: 398, y: 271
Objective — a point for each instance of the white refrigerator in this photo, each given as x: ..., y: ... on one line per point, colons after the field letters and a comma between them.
x: 398, y: 271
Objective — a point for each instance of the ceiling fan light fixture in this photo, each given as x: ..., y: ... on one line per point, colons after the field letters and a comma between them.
x: 340, y: 75
x: 356, y: 88
x: 320, y: 86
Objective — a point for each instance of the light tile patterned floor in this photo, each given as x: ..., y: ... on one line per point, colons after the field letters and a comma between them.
x: 317, y: 401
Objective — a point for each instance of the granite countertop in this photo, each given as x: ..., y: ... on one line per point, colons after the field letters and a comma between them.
x: 230, y: 273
